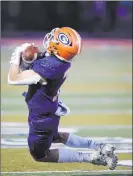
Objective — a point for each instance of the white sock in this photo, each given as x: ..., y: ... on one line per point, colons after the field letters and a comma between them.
x: 69, y: 156
x: 81, y: 142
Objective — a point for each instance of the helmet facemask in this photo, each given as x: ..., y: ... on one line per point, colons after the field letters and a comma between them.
x: 49, y: 38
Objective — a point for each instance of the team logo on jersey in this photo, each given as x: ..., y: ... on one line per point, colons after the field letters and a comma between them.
x: 64, y: 39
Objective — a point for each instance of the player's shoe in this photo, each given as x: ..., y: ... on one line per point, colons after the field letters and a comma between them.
x: 97, y: 159
x: 107, y: 153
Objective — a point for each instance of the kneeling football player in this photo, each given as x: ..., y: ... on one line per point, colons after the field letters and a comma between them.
x: 45, y: 74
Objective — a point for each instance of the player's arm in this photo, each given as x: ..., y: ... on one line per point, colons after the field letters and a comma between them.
x: 28, y: 77
x: 18, y: 77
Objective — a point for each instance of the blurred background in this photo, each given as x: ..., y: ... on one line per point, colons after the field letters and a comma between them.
x: 85, y: 16
x: 98, y: 89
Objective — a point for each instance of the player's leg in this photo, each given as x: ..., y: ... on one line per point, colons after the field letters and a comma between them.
x: 70, y: 156
x: 40, y: 138
x: 39, y: 149
x: 39, y: 144
x: 41, y: 154
x: 41, y: 132
x: 75, y: 141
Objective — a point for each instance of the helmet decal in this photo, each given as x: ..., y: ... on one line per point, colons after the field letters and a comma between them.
x: 63, y: 38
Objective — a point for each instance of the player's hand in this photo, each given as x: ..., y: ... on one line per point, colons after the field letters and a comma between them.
x: 15, y: 58
x: 16, y: 55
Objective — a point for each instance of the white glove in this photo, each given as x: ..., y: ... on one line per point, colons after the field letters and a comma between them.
x: 15, y: 58
x: 16, y: 55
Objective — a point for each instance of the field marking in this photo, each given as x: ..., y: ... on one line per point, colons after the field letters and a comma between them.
x: 115, y: 140
x: 125, y: 163
x: 25, y: 124
x: 22, y: 143
x: 74, y: 171
x: 73, y: 112
x: 125, y: 151
x: 77, y: 101
x: 21, y: 131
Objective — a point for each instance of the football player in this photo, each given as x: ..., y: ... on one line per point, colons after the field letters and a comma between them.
x: 45, y: 75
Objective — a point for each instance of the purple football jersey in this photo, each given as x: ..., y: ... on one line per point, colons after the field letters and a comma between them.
x: 41, y: 98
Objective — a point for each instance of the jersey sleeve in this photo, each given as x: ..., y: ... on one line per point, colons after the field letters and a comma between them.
x: 46, y: 68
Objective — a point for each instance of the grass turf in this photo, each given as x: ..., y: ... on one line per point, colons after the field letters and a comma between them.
x: 79, y: 173
x: 20, y: 160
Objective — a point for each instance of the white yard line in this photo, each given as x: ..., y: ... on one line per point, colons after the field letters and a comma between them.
x: 76, y: 111
x: 76, y: 171
x: 113, y: 140
x: 125, y: 163
x: 19, y: 130
x: 22, y: 143
x: 77, y: 100
x: 24, y: 124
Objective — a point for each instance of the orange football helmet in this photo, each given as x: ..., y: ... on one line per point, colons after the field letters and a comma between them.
x: 65, y: 43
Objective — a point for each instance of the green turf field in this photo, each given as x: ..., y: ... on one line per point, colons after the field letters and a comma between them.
x: 99, y: 93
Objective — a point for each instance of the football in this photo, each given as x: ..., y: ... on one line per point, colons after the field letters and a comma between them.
x: 30, y: 53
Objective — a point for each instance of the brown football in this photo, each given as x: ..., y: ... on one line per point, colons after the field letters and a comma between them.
x: 28, y: 54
